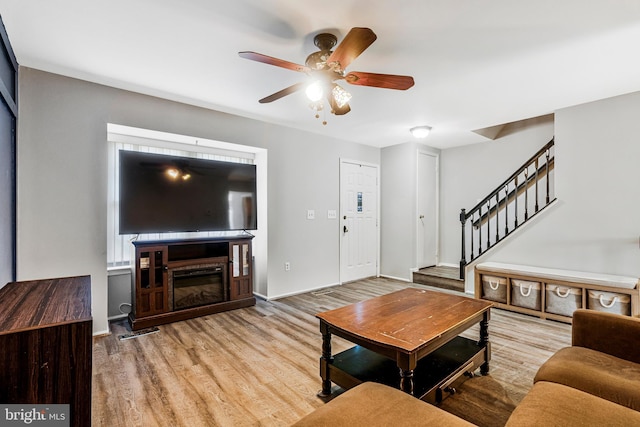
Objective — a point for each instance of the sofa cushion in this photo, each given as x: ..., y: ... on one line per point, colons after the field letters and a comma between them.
x: 596, y: 373
x: 550, y: 405
x: 609, y: 333
x: 372, y: 404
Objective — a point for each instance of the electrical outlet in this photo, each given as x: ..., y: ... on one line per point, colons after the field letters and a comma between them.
x: 287, y: 266
x: 311, y: 214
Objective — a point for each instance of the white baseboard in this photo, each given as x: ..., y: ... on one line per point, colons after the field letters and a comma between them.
x: 290, y: 294
x: 401, y: 279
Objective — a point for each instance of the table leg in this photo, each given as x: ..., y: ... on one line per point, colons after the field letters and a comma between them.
x: 484, y: 341
x: 406, y: 380
x: 325, y: 360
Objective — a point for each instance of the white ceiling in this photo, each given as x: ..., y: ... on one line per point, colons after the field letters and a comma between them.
x: 476, y: 63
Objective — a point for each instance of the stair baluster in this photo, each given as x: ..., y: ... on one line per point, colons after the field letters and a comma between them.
x: 477, y: 219
x: 546, y: 155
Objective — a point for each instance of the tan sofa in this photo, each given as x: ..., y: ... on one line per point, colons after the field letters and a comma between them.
x: 595, y: 382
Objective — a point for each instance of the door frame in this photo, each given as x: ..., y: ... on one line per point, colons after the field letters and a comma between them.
x: 341, y: 208
x: 421, y: 151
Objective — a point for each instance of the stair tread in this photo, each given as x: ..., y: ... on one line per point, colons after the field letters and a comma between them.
x: 440, y: 277
x: 441, y: 271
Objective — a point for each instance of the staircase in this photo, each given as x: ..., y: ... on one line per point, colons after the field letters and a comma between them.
x: 513, y: 203
x: 440, y: 277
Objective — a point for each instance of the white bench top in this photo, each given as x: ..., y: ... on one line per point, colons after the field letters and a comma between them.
x: 564, y: 275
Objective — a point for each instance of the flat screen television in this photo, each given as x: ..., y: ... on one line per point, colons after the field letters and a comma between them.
x: 161, y: 193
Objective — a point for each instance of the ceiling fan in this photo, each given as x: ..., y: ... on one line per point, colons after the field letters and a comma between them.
x: 326, y: 67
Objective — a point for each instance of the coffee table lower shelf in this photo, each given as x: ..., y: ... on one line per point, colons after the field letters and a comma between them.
x: 434, y: 379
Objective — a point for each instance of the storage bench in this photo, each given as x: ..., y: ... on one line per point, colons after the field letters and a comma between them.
x: 553, y: 293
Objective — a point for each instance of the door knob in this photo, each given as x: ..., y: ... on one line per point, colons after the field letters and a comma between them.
x: 345, y: 229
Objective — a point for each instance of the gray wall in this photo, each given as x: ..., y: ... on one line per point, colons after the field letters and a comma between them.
x: 398, y: 191
x: 468, y: 174
x: 593, y: 226
x: 119, y: 294
x: 62, y: 187
x: 62, y: 182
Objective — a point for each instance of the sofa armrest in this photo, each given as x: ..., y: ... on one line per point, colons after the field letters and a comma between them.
x: 613, y: 334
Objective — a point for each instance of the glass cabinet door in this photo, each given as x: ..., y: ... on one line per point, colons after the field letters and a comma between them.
x: 151, y: 281
x: 241, y: 283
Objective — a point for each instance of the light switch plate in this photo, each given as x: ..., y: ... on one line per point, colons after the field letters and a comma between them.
x: 331, y: 214
x: 311, y: 214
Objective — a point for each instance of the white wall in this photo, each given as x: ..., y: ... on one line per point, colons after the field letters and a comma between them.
x: 62, y: 161
x: 594, y: 227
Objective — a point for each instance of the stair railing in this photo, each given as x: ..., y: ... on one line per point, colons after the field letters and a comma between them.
x: 514, y: 202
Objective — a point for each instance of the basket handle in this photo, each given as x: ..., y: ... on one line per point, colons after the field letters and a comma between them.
x: 613, y: 301
x: 492, y: 287
x: 560, y: 294
x: 528, y: 291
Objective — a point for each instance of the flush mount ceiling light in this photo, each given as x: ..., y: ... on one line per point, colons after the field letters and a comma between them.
x: 420, y: 131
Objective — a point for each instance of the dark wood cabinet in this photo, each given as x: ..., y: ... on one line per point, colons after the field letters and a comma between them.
x: 181, y: 279
x: 46, y: 344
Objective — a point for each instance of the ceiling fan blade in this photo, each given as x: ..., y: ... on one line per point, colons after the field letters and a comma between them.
x: 274, y: 61
x: 387, y: 81
x: 354, y: 43
x: 282, y: 93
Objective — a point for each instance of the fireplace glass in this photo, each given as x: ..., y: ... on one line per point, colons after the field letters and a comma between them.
x: 198, y: 285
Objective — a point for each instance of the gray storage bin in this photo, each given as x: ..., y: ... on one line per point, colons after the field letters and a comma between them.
x: 494, y: 288
x: 526, y: 294
x: 563, y: 300
x: 611, y: 302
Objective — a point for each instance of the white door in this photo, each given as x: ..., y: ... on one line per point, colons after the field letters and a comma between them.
x: 427, y: 215
x: 358, y: 221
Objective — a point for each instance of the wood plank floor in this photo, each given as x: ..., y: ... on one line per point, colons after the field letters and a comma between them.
x: 259, y: 366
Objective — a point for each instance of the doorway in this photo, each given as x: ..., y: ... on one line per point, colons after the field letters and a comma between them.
x: 359, y: 234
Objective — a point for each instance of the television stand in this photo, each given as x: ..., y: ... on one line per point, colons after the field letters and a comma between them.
x: 176, y: 280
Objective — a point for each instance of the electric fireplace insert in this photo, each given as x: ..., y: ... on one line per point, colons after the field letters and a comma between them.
x: 195, y: 285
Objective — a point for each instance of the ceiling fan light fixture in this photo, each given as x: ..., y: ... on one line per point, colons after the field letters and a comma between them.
x: 329, y: 65
x: 420, y: 131
x: 341, y: 96
x: 314, y: 91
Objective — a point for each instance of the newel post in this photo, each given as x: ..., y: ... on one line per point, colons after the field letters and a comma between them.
x: 463, y: 259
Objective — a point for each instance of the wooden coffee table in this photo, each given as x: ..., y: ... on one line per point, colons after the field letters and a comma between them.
x: 407, y: 339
